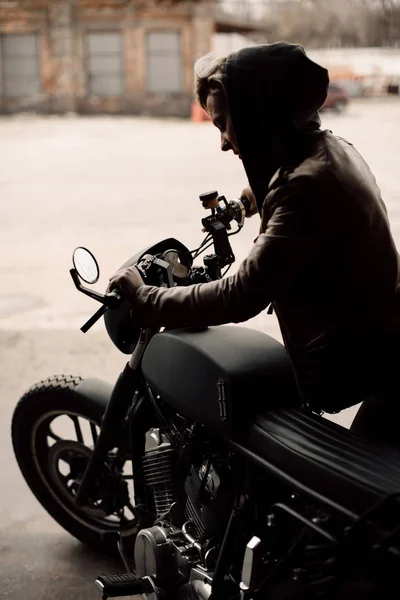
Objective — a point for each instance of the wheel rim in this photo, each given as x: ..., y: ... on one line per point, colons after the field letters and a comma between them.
x: 61, y: 454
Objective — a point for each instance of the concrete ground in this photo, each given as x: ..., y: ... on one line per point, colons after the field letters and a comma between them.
x: 114, y: 185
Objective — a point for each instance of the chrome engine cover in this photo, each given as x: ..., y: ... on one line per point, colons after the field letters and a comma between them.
x: 158, y: 467
x: 167, y: 557
x: 199, y: 586
x: 154, y: 555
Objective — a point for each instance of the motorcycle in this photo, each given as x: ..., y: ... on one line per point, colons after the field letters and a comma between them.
x: 200, y: 466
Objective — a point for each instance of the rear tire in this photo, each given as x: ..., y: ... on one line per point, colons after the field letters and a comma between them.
x: 38, y: 459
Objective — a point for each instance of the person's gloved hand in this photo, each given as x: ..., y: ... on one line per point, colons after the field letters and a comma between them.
x: 248, y: 195
x: 127, y: 281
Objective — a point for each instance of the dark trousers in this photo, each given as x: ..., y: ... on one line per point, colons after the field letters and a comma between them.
x: 379, y: 420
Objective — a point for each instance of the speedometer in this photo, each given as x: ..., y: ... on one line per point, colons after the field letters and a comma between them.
x: 179, y: 270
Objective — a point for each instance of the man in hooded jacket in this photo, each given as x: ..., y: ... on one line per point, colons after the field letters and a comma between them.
x: 325, y: 257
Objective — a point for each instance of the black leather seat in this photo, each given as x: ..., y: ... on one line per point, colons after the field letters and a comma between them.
x: 335, y: 462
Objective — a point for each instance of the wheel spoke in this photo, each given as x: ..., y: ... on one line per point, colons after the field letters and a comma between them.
x: 64, y: 479
x: 78, y: 430
x: 52, y: 435
x: 94, y: 432
x: 68, y: 452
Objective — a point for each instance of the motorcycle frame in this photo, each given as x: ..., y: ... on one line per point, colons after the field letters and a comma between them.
x: 124, y: 401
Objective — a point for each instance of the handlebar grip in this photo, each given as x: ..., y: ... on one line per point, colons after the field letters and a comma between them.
x: 246, y: 203
x: 113, y: 298
x: 115, y: 294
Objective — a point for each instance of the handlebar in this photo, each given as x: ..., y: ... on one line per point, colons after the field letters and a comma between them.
x: 223, y: 210
x: 219, y: 223
x: 113, y: 299
x: 154, y: 268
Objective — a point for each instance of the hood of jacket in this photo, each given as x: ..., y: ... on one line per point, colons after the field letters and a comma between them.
x: 274, y: 92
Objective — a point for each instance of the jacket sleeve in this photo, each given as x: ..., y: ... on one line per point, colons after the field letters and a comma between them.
x: 290, y: 237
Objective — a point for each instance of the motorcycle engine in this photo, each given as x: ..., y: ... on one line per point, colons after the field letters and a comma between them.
x: 191, y: 515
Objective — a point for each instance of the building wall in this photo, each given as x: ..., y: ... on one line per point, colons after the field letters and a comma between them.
x: 226, y: 43
x: 62, y: 27
x: 14, y: 20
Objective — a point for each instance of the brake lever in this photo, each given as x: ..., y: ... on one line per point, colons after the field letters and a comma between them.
x: 94, y: 318
x: 112, y: 300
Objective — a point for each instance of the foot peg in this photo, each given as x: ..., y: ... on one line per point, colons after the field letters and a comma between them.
x: 116, y: 586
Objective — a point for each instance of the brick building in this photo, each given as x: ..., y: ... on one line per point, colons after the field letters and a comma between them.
x: 91, y: 56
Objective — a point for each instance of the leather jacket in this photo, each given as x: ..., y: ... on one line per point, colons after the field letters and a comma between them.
x: 325, y: 258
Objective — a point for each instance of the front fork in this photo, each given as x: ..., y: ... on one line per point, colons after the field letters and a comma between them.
x: 114, y: 416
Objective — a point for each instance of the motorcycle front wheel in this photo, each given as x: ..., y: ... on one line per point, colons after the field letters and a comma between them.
x: 54, y: 430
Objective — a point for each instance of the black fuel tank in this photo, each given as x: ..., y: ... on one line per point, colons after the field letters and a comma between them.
x: 220, y: 376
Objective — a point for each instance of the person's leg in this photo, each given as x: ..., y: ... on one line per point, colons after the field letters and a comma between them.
x: 379, y: 420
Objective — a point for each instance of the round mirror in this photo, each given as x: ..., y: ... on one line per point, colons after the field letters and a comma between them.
x: 178, y: 269
x: 86, y: 265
